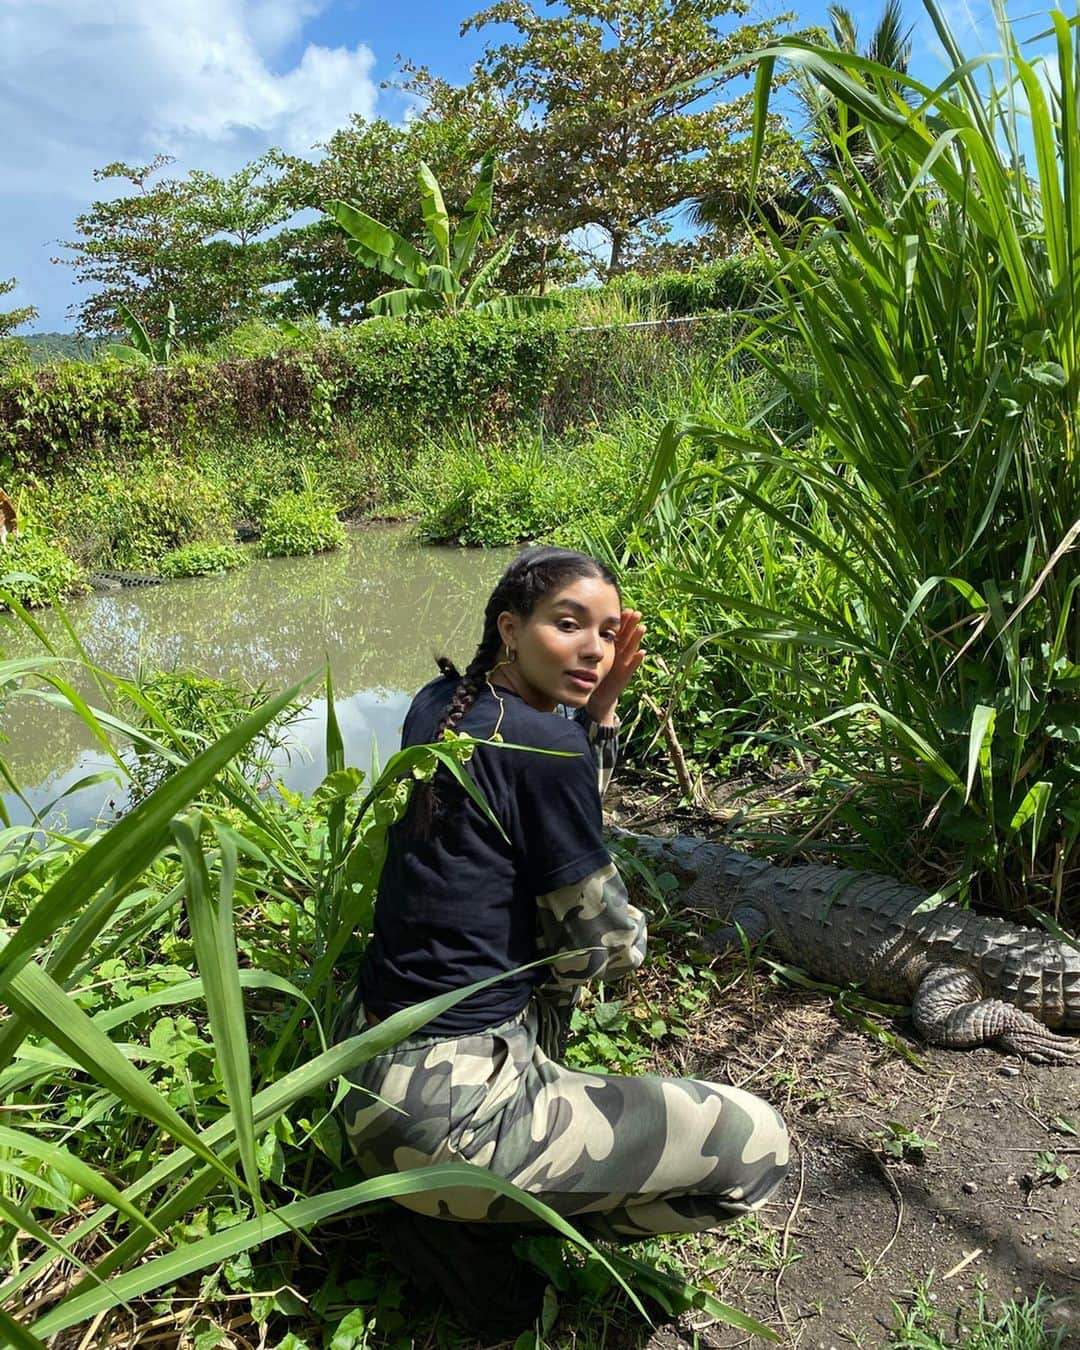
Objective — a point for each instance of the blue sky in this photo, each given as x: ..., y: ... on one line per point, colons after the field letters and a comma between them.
x: 215, y: 82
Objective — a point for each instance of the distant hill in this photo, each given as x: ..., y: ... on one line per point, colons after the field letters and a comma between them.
x: 46, y: 347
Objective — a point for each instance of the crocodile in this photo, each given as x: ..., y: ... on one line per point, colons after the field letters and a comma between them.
x: 115, y: 581
x: 969, y: 979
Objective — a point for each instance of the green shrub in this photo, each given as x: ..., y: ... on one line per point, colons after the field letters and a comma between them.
x: 413, y: 378
x: 202, y: 560
x: 198, y: 710
x: 15, y: 356
x: 561, y: 488
x: 133, y: 520
x: 418, y: 375
x: 734, y: 284
x: 496, y: 494
x: 302, y: 522
x: 257, y: 338
x: 358, y: 463
x: 46, y: 570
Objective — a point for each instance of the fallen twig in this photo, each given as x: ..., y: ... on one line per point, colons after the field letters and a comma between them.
x: 675, y: 751
x: 898, y: 1200
x: 961, y: 1265
x: 91, y: 1333
x: 784, y: 1241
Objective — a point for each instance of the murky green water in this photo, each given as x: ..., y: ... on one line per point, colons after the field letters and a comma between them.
x: 379, y: 609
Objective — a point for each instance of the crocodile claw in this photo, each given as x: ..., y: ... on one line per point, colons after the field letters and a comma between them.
x: 1041, y: 1046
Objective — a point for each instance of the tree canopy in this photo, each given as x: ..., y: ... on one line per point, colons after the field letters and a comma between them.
x: 623, y: 119
x: 199, y: 242
x: 13, y: 318
x: 605, y: 117
x: 835, y: 141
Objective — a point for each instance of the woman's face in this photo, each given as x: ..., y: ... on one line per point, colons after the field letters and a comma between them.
x: 565, y: 647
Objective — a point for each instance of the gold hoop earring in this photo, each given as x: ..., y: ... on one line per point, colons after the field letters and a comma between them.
x: 508, y: 660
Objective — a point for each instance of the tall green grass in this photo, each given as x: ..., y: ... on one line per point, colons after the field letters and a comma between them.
x: 492, y: 490
x: 168, y: 1065
x: 108, y: 1120
x: 906, y: 562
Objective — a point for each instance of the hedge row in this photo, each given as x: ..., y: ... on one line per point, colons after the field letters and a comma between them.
x: 402, y: 380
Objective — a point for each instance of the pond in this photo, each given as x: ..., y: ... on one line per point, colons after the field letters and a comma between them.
x: 378, y: 610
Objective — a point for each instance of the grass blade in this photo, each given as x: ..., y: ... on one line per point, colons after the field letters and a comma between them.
x: 215, y: 956
x: 132, y: 843
x: 166, y: 1270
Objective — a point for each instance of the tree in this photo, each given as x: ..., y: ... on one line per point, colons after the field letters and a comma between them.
x: 838, y: 136
x: 375, y: 164
x: 13, y: 318
x: 625, y: 123
x: 200, y: 242
x: 437, y: 280
x: 836, y: 141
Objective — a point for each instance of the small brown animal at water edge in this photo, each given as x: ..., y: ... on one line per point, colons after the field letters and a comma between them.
x: 968, y: 978
x: 9, y: 518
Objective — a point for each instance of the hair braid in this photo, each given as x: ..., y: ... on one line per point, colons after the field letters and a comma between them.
x: 470, y: 684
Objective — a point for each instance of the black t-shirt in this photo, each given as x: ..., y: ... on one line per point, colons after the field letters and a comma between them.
x: 459, y: 904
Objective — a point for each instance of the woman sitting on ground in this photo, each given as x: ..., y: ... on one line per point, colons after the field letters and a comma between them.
x: 461, y: 900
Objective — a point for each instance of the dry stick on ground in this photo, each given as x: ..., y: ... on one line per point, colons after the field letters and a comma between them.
x: 898, y: 1200
x: 762, y: 1067
x: 52, y: 1294
x: 689, y: 788
x: 940, y: 1104
x: 784, y: 1240
x: 88, y: 1339
x: 962, y: 1265
x: 1030, y: 1148
x: 1043, y: 1124
x: 165, y: 1329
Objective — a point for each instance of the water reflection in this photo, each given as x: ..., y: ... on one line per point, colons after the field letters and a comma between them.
x: 378, y: 610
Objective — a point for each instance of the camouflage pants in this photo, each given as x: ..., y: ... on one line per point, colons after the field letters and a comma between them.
x: 623, y: 1156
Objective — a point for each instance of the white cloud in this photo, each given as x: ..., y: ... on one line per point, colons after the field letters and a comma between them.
x: 85, y: 82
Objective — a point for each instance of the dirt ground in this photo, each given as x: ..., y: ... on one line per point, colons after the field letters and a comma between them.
x: 860, y: 1226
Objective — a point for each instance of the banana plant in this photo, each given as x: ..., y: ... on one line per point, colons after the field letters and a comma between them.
x: 439, y: 279
x: 140, y: 349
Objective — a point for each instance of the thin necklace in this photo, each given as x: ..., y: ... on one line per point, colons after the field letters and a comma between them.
x: 498, y: 699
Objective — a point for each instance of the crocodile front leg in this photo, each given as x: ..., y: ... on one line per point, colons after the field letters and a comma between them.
x: 753, y: 922
x: 950, y: 1009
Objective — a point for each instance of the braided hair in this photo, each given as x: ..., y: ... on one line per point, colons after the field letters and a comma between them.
x: 534, y: 573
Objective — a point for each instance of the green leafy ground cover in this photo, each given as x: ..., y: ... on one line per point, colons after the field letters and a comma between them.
x: 202, y: 560
x: 35, y: 569
x: 1016, y: 1326
x: 300, y: 522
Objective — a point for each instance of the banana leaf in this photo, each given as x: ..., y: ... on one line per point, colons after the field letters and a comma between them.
x: 408, y: 300
x: 434, y: 211
x: 379, y: 246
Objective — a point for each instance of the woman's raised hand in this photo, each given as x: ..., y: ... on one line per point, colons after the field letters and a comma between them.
x: 628, y: 657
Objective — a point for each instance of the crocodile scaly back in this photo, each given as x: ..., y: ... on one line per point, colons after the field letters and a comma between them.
x: 888, y: 938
